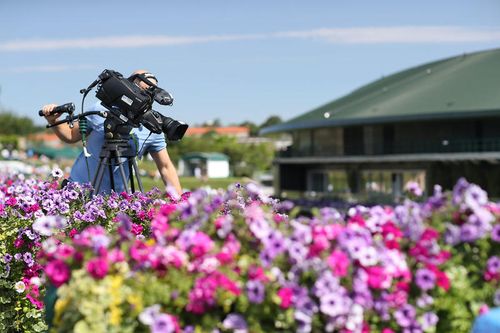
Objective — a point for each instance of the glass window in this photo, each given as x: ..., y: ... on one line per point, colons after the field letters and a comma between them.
x: 328, y: 141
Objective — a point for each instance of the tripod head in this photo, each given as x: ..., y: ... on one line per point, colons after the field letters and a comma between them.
x: 115, y: 127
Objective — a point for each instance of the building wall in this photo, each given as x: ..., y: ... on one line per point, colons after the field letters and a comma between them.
x: 358, y: 178
x: 217, y: 169
x: 467, y: 135
x: 293, y: 177
x: 413, y: 138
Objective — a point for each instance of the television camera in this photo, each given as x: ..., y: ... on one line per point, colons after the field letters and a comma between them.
x: 128, y: 104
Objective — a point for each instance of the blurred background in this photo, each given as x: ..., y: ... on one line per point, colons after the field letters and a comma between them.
x: 324, y: 100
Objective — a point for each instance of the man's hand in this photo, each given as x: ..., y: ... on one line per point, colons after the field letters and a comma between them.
x: 167, y: 170
x: 47, y: 109
x: 63, y: 131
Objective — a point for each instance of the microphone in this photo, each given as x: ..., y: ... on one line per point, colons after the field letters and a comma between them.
x: 68, y: 107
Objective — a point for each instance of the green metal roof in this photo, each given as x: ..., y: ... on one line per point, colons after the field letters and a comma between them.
x: 205, y: 156
x: 459, y: 87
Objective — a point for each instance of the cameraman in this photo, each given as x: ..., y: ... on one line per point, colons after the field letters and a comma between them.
x: 141, y: 139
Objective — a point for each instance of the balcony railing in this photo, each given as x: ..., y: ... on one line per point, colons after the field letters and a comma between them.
x: 408, y: 147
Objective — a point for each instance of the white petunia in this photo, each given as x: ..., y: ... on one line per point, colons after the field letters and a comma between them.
x: 20, y: 287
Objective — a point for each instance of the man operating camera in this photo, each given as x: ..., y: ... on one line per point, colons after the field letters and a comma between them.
x: 141, y: 141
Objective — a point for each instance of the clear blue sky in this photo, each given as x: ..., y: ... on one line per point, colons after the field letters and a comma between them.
x: 231, y: 60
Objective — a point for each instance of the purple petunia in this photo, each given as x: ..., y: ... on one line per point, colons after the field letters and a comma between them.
x: 452, y: 234
x: 495, y: 233
x: 7, y: 258
x: 57, y: 173
x: 496, y: 298
x: 334, y: 304
x: 28, y: 259
x: 493, y: 264
x: 275, y: 244
x: 236, y: 323
x: 163, y: 323
x: 46, y: 225
x: 255, y: 291
x: 304, y: 322
x: 326, y: 283
x: 425, y: 279
x: 429, y: 320
x: 469, y: 233
x: 405, y: 316
x: 424, y: 301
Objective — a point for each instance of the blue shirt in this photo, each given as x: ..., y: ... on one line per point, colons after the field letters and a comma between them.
x: 488, y: 322
x: 141, y: 139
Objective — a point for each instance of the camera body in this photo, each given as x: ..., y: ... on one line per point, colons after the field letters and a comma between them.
x: 132, y: 105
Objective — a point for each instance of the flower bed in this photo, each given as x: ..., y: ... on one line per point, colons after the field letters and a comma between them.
x: 238, y: 261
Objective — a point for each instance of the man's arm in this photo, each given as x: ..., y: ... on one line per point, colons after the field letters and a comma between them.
x: 167, y: 169
x: 63, y: 131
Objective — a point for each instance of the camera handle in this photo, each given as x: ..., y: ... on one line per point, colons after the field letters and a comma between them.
x: 65, y: 108
x: 70, y: 119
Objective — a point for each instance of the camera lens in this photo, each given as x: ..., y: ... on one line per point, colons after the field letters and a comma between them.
x: 173, y: 129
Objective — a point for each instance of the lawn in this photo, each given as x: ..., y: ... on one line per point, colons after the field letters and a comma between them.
x: 190, y: 183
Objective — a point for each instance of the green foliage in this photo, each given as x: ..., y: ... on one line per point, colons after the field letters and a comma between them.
x: 458, y: 307
x: 244, y: 159
x: 17, y: 125
x: 8, y: 141
x: 254, y: 129
x: 271, y: 121
x: 193, y: 183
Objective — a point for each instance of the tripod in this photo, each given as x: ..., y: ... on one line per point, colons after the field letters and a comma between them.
x: 116, y: 147
x: 112, y: 154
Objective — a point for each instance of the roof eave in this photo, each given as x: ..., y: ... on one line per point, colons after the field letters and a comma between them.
x: 318, y: 123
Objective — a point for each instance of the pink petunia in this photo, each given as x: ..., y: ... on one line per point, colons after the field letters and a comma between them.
x: 378, y: 278
x: 202, y: 244
x: 286, y: 295
x: 58, y: 272
x: 97, y: 268
x: 339, y: 263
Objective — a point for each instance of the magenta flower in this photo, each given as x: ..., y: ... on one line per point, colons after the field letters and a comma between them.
x: 58, y: 272
x: 377, y: 277
x: 339, y: 263
x: 201, y: 244
x: 97, y: 268
x: 286, y: 297
x: 64, y: 251
x: 136, y: 229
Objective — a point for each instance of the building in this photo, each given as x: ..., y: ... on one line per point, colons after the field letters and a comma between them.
x: 209, y: 165
x: 235, y: 131
x: 47, y: 138
x: 48, y: 144
x: 433, y: 123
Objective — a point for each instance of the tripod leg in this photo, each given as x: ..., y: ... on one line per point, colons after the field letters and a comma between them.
x: 96, y: 183
x: 111, y: 177
x: 136, y: 169
x: 124, y: 178
x: 131, y: 173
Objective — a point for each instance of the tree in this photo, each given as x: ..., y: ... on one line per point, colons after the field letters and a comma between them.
x: 271, y: 121
x: 244, y: 159
x: 254, y: 129
x: 16, y: 125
